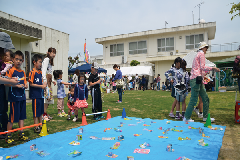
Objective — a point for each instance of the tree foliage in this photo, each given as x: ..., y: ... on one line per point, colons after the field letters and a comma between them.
x: 72, y: 61
x: 134, y: 63
x: 235, y: 8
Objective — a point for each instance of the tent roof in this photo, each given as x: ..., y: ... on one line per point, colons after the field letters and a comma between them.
x: 226, y: 60
x: 190, y: 57
x: 86, y: 68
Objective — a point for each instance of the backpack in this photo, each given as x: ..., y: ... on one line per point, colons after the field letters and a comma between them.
x: 236, y: 68
x: 181, y: 90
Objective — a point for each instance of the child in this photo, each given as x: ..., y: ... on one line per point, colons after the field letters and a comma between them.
x: 80, y: 96
x: 47, y: 70
x: 182, y: 77
x: 17, y: 97
x: 102, y: 87
x: 163, y: 86
x: 75, y: 76
x: 60, y: 92
x: 94, y: 83
x: 37, y: 91
x: 70, y: 103
x: 8, y: 56
x: 172, y: 79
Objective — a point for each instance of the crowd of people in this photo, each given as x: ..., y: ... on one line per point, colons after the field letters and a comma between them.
x: 13, y: 84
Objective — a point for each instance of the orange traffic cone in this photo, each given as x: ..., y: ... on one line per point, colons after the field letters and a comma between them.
x: 84, y: 120
x: 108, y: 115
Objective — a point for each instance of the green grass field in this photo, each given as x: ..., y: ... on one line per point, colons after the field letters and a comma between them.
x: 149, y: 104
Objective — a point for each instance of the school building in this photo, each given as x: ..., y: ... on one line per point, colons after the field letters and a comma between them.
x: 32, y: 38
x: 160, y: 47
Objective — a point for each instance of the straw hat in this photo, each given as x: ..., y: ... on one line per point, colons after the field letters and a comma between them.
x: 202, y: 45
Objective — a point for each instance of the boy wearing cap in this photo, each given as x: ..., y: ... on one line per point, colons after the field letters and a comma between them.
x: 94, y: 83
x: 196, y: 82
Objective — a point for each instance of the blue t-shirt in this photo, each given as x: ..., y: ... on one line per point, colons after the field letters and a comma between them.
x: 80, y: 92
x: 118, y: 75
x: 60, y: 89
x: 35, y: 77
x: 16, y: 94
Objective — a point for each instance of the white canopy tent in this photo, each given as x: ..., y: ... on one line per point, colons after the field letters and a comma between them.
x: 190, y: 57
x: 132, y: 71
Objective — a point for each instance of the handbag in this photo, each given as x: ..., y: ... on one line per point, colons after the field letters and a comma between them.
x: 199, y: 80
x: 81, y: 103
x: 119, y: 83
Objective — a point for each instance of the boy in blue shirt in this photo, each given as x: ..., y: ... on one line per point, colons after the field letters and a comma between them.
x: 37, y: 91
x: 17, y: 97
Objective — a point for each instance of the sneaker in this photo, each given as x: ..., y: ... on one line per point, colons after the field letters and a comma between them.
x: 196, y: 110
x: 64, y: 114
x: 200, y: 115
x: 22, y: 137
x: 187, y: 120
x: 205, y: 119
x: 180, y: 115
x: 171, y: 115
x: 69, y: 117
x: 45, y: 118
x: 102, y: 117
x: 119, y: 102
x: 49, y: 117
x: 60, y: 115
x: 96, y: 118
x: 37, y: 130
x: 177, y: 117
x: 9, y: 140
x: 75, y: 119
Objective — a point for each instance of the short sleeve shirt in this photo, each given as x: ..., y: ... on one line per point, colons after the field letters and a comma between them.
x: 94, y: 78
x: 60, y: 89
x: 15, y: 93
x: 35, y: 77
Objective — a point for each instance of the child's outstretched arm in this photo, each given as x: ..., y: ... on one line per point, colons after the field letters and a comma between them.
x: 65, y: 83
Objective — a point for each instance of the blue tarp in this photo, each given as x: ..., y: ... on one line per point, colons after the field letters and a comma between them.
x: 86, y: 68
x: 58, y: 147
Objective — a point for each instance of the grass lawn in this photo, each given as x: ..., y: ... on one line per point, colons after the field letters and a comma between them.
x: 154, y: 105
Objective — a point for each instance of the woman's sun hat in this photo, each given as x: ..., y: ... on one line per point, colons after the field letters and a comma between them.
x: 202, y: 45
x: 5, y: 41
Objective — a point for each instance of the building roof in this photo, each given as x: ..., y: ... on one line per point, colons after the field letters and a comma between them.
x: 211, y: 26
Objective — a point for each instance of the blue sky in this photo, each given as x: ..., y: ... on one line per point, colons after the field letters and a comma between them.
x: 92, y: 19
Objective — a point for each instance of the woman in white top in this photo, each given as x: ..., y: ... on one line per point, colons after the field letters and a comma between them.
x: 47, y: 77
x: 75, y: 76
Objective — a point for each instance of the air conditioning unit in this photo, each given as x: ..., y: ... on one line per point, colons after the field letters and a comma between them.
x: 171, y: 53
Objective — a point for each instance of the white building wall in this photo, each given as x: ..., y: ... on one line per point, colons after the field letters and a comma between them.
x: 50, y: 38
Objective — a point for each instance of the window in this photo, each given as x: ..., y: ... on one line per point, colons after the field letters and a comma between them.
x: 193, y: 41
x: 165, y: 44
x: 139, y: 47
x: 116, y: 50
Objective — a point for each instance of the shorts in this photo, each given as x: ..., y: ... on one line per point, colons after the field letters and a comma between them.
x: 38, y: 107
x: 17, y: 111
x: 173, y: 92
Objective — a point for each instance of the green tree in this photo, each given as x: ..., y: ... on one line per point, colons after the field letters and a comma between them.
x: 72, y: 61
x: 235, y: 8
x: 134, y: 63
